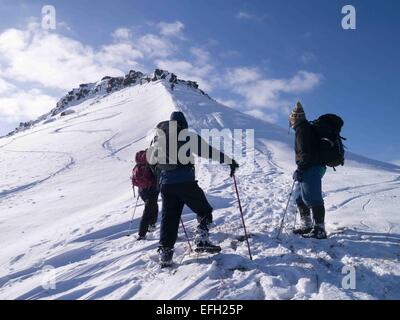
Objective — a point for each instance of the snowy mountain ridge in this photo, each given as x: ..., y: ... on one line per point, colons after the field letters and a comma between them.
x: 67, y: 205
x: 105, y: 86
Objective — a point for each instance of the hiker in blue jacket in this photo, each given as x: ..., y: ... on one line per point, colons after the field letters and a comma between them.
x: 178, y: 187
x: 309, y: 175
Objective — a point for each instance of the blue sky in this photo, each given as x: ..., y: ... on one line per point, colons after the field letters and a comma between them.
x: 257, y: 56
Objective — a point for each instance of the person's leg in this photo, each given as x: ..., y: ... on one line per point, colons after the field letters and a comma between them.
x: 193, y: 196
x: 305, y: 215
x: 150, y: 212
x: 153, y: 208
x: 319, y: 215
x: 311, y: 187
x: 172, y: 207
x: 312, y: 196
x: 144, y: 223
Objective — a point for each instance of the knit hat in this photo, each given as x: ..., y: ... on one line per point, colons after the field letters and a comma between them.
x: 297, y: 115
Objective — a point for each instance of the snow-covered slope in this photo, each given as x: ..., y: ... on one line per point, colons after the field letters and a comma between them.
x: 66, y: 204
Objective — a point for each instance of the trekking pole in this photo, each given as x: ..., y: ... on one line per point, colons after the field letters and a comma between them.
x: 241, y: 213
x: 284, y: 214
x: 133, y: 215
x: 186, y: 234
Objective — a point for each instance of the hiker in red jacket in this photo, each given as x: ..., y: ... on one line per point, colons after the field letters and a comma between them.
x: 144, y: 179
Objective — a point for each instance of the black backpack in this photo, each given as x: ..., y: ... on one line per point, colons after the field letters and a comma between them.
x: 330, y: 146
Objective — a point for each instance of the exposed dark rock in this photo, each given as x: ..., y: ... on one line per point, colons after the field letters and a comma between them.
x: 173, y: 79
x: 132, y: 77
x: 114, y: 83
x: 192, y: 84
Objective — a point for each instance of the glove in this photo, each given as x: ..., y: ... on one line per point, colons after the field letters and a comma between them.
x: 234, y: 165
x: 298, y: 175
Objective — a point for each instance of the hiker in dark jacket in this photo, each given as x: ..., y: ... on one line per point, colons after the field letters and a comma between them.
x: 179, y: 187
x: 309, y: 175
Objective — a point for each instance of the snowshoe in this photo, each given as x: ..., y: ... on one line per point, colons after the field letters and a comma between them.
x: 243, y: 238
x: 302, y: 230
x: 316, y: 233
x: 202, y: 240
x: 164, y: 265
x: 207, y: 246
x: 165, y: 257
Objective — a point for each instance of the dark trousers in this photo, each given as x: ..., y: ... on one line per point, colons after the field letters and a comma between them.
x: 150, y: 212
x: 310, y: 196
x: 174, y: 198
x: 311, y: 188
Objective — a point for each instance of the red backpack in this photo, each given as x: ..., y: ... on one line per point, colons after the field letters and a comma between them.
x: 142, y: 176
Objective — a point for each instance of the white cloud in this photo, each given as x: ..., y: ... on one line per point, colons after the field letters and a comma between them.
x: 198, y: 69
x: 173, y: 29
x: 5, y: 86
x: 155, y: 46
x: 55, y: 61
x: 18, y: 105
x: 119, y: 54
x: 64, y: 25
x: 122, y: 34
x: 150, y: 44
x: 244, y: 15
x: 269, y: 117
x: 261, y: 92
x: 32, y: 57
x: 13, y: 41
x: 303, y: 81
x: 242, y: 75
x: 201, y: 55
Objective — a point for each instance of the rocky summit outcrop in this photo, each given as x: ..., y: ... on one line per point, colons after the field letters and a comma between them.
x: 105, y: 86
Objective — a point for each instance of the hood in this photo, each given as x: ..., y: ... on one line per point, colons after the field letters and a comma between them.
x: 179, y: 117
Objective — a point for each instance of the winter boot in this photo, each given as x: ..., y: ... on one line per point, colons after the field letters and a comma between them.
x: 202, y: 240
x: 140, y: 238
x: 305, y: 220
x: 165, y: 256
x: 318, y: 232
